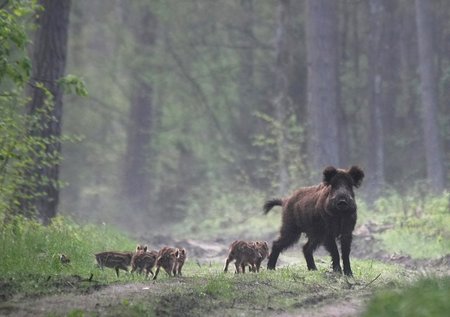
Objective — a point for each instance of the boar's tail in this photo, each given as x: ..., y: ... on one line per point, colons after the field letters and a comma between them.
x: 272, y: 203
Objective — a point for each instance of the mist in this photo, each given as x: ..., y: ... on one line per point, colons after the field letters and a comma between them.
x: 199, y: 106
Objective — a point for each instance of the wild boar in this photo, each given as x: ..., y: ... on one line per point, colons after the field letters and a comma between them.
x: 181, y: 259
x: 263, y: 248
x: 324, y: 213
x: 143, y: 260
x: 243, y: 253
x: 167, y: 259
x: 115, y: 260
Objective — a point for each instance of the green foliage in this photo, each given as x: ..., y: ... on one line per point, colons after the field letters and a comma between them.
x: 427, y: 297
x: 24, y: 145
x: 31, y: 252
x: 73, y: 85
x: 231, y: 212
x: 15, y: 65
x: 415, y: 225
x: 14, y: 73
x: 294, y: 137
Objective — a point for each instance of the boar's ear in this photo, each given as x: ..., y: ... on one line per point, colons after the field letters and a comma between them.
x: 145, y: 248
x: 357, y: 175
x: 328, y: 174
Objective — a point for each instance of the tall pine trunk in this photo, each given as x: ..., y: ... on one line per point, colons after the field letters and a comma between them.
x: 322, y: 60
x: 282, y: 101
x: 244, y: 123
x: 136, y: 181
x: 41, y: 192
x: 429, y: 97
x: 377, y: 55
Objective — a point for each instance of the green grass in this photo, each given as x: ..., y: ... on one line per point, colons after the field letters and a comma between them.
x: 208, y: 291
x: 427, y: 297
x: 30, y: 265
x: 421, y: 228
x: 418, y: 227
x: 30, y: 253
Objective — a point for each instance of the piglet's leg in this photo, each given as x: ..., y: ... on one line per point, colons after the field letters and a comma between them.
x: 157, y: 272
x: 227, y: 262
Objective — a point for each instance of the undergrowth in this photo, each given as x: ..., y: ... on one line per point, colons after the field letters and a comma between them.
x: 427, y: 297
x: 31, y: 252
x: 418, y: 226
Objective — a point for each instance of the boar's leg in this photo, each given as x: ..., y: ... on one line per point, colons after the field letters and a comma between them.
x: 288, y: 236
x: 330, y: 245
x: 346, y: 241
x: 308, y: 249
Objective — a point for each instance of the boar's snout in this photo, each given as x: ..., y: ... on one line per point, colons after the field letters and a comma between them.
x: 344, y: 203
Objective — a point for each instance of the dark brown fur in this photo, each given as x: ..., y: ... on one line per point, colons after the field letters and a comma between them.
x: 243, y: 253
x: 323, y: 212
x: 167, y: 259
x: 115, y: 260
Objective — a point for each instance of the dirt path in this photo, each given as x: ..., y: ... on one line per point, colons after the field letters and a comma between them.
x: 62, y: 304
x: 102, y: 302
x: 347, y: 308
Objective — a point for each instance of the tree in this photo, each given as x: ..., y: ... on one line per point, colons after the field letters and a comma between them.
x: 244, y: 122
x: 381, y: 53
x: 136, y: 181
x: 282, y: 101
x: 40, y: 191
x: 429, y: 95
x: 322, y: 60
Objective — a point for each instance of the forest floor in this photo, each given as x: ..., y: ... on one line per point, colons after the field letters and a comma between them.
x: 205, y: 290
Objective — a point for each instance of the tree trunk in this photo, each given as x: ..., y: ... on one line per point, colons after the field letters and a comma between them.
x: 321, y: 27
x: 41, y: 193
x: 428, y: 92
x: 377, y: 54
x: 137, y: 177
x: 244, y: 123
x: 282, y: 101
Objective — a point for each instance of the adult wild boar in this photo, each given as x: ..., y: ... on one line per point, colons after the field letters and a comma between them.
x: 323, y: 212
